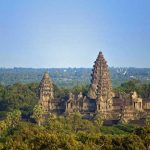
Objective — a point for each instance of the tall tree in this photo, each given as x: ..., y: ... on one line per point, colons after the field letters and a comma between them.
x: 38, y: 114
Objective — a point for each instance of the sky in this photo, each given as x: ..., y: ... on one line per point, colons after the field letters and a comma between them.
x: 70, y: 33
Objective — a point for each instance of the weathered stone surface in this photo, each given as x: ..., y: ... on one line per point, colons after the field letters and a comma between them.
x: 101, y: 87
x: 46, y: 93
x: 100, y: 99
x: 100, y: 83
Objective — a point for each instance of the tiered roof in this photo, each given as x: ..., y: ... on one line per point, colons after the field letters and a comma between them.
x: 46, y: 85
x: 100, y: 83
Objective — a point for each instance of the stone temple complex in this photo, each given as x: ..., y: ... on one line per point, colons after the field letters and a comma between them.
x: 113, y: 107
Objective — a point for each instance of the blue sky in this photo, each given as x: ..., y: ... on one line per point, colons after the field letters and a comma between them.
x: 70, y: 33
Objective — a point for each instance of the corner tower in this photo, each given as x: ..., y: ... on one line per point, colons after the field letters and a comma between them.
x: 46, y: 92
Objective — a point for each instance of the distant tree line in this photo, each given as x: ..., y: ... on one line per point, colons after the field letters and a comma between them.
x: 70, y: 77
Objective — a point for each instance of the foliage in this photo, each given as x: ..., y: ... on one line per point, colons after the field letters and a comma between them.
x: 118, y: 129
x: 70, y: 77
x: 18, y: 96
x: 134, y: 85
x: 13, y: 118
x: 64, y: 132
x: 98, y: 120
x: 61, y: 133
x: 38, y: 114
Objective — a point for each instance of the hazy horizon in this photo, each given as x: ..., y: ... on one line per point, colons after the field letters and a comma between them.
x: 62, y: 34
x: 67, y: 67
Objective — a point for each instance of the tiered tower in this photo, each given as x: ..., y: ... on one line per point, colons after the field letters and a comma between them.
x: 101, y: 86
x: 46, y: 93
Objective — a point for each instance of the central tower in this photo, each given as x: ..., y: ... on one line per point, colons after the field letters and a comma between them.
x: 101, y: 86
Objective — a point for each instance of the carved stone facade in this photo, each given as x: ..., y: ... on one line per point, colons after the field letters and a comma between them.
x: 131, y: 107
x: 46, y: 93
x: 100, y: 99
x: 101, y: 88
x: 79, y: 103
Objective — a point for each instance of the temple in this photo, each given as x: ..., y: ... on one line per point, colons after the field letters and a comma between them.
x: 114, y: 107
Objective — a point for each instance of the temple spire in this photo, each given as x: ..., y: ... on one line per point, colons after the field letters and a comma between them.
x: 100, y: 83
x: 101, y: 86
x: 46, y: 92
x: 46, y: 75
